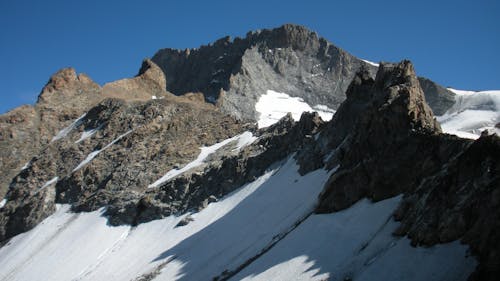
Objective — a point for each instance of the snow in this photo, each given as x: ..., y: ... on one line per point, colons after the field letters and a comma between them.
x: 83, y: 246
x: 472, y: 113
x: 357, y: 243
x: 3, y: 202
x: 154, y: 97
x: 52, y: 181
x: 60, y: 248
x: 273, y: 106
x: 64, y: 132
x: 243, y: 140
x: 47, y: 184
x: 93, y: 154
x: 25, y: 166
x: 370, y: 62
x: 324, y: 108
x: 88, y: 133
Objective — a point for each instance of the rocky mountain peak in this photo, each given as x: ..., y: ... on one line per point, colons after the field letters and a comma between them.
x: 399, y: 89
x: 65, y: 80
x: 61, y: 78
x: 378, y: 118
x: 292, y: 36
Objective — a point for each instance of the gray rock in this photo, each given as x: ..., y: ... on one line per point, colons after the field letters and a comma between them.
x: 234, y: 73
x: 439, y: 98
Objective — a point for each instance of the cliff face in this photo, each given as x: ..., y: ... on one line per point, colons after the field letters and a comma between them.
x: 289, y: 59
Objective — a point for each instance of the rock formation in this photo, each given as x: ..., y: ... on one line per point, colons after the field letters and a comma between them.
x: 387, y: 142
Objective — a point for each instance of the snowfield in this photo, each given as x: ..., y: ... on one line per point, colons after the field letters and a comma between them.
x: 472, y: 113
x: 273, y: 106
x: 357, y: 244
x: 228, y: 233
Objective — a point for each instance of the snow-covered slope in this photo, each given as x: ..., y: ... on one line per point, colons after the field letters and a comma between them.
x: 357, y: 244
x: 273, y: 105
x: 69, y: 246
x: 472, y: 113
x: 227, y: 234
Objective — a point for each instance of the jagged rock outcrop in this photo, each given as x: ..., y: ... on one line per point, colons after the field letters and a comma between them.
x: 290, y: 59
x: 386, y: 142
x: 376, y: 132
x: 149, y: 83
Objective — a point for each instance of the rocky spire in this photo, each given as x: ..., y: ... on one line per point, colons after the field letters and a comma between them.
x: 372, y: 132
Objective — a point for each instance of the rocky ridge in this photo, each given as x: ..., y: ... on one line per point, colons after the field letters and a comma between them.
x: 290, y: 58
x: 67, y: 95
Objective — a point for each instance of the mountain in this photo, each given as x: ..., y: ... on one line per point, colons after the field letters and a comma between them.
x: 194, y: 170
x: 289, y: 59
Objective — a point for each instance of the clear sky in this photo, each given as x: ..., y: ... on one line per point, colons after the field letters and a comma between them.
x: 456, y: 43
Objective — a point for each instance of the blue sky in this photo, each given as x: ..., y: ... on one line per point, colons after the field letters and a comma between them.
x: 455, y: 43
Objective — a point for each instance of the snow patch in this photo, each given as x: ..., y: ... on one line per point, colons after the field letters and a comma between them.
x: 273, y: 106
x: 243, y: 140
x: 64, y: 132
x: 52, y: 181
x: 154, y: 97
x: 88, y: 133
x: 472, y: 113
x: 93, y: 154
x: 26, y: 166
x: 2, y: 203
x: 370, y: 62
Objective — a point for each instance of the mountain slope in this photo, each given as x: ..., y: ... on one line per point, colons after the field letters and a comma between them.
x: 172, y: 187
x: 233, y: 74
